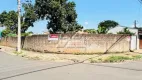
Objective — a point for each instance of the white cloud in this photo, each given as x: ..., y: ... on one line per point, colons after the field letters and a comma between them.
x: 86, y: 23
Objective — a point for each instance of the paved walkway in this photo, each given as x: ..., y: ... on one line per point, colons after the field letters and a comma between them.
x: 17, y: 68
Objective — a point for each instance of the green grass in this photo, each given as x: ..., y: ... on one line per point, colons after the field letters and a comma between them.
x: 93, y: 60
x: 114, y: 59
x: 137, y: 57
x: 17, y: 53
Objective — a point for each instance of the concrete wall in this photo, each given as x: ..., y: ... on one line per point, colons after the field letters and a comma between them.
x: 73, y: 43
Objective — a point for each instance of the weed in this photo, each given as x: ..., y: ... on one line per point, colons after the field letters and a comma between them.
x: 34, y: 58
x: 112, y: 59
x: 100, y: 59
x: 17, y: 53
x: 92, y: 60
x: 77, y: 53
x: 137, y: 57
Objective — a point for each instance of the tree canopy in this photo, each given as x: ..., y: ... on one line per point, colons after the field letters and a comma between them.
x: 104, y: 26
x: 108, y: 24
x: 10, y: 19
x: 102, y: 30
x: 60, y: 15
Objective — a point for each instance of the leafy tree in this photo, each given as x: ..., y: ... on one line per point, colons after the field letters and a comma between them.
x: 9, y: 19
x: 5, y: 32
x: 3, y: 18
x: 102, y: 30
x: 27, y: 34
x: 60, y: 14
x: 90, y: 31
x: 108, y: 24
x: 126, y: 31
x: 104, y: 26
x: 29, y: 16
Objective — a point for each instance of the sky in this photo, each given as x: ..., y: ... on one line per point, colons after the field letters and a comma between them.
x: 91, y: 12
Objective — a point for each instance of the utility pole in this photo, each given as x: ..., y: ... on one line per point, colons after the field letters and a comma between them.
x: 135, y: 24
x: 19, y: 26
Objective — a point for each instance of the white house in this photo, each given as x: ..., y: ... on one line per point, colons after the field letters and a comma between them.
x: 119, y: 28
x: 136, y: 40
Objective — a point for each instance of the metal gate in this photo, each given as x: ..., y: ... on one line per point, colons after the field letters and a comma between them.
x: 133, y: 43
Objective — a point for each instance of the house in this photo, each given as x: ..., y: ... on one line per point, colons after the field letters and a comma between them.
x: 119, y: 28
x: 135, y: 40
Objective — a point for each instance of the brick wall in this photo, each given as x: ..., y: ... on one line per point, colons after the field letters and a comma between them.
x: 73, y: 43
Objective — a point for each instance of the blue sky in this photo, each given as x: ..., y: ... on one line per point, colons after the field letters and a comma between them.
x: 91, y: 12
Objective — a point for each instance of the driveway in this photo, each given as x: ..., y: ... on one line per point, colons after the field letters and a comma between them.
x: 17, y: 68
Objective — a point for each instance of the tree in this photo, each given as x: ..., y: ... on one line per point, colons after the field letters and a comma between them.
x: 126, y: 31
x: 29, y: 16
x: 102, y: 30
x: 5, y: 32
x: 108, y: 24
x: 90, y: 31
x: 3, y: 17
x: 9, y: 19
x: 104, y: 26
x: 60, y: 15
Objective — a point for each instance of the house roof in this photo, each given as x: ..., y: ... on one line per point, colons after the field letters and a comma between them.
x: 119, y: 28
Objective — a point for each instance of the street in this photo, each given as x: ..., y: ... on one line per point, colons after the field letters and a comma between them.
x: 17, y: 68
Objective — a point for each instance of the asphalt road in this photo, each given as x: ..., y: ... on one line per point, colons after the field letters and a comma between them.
x: 17, y: 68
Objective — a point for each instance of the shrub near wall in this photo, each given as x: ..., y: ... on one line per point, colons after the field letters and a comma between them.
x: 73, y: 43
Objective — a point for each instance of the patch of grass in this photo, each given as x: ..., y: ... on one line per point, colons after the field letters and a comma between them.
x: 34, y: 58
x: 137, y: 57
x: 17, y: 53
x: 112, y: 59
x: 93, y: 60
x: 100, y: 59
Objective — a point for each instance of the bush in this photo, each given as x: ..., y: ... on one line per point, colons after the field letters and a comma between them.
x: 5, y: 33
x: 27, y: 34
x: 90, y: 31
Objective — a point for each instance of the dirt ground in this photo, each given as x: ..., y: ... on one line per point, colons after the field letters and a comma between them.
x: 61, y: 57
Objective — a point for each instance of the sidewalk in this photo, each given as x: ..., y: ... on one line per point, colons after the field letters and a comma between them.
x: 138, y: 51
x: 47, y: 56
x: 64, y: 57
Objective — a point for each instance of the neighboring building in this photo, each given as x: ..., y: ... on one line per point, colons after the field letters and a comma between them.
x: 46, y: 32
x: 136, y: 40
x: 119, y: 28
